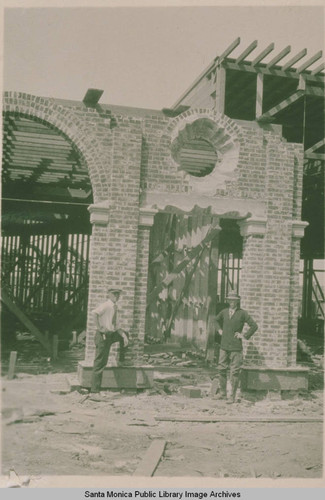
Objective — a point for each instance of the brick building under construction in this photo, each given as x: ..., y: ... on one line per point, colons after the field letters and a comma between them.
x: 177, y: 207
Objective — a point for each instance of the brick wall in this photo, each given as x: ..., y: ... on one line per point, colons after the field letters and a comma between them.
x: 129, y: 154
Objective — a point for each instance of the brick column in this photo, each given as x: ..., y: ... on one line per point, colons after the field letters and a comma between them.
x: 99, y: 216
x: 253, y: 231
x: 146, y: 219
x: 298, y: 229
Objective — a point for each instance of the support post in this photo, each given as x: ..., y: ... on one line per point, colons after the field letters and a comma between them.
x: 259, y: 94
x: 55, y: 344
x: 220, y: 89
x: 12, y: 365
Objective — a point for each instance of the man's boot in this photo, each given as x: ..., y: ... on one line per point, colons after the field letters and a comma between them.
x: 222, y: 392
x: 232, y: 398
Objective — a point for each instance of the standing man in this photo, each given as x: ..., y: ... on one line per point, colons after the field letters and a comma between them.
x: 232, y: 321
x: 107, y: 333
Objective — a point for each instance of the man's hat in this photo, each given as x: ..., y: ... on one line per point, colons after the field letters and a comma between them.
x: 114, y: 290
x: 232, y: 296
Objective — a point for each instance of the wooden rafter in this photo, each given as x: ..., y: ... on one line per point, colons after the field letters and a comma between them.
x: 319, y: 68
x: 263, y: 54
x: 278, y: 57
x: 229, y: 50
x: 310, y: 61
x: 246, y: 52
x: 281, y: 106
x: 314, y: 148
x: 294, y: 60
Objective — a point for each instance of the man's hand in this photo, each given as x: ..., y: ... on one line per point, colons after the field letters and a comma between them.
x: 124, y: 337
x: 220, y: 332
x: 239, y: 335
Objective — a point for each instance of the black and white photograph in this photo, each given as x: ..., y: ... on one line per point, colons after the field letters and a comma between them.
x: 162, y: 249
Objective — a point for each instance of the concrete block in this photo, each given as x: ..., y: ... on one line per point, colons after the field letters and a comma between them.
x: 191, y: 391
x: 115, y: 377
x: 275, y: 379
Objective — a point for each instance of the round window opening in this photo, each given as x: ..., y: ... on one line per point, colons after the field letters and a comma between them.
x: 198, y: 158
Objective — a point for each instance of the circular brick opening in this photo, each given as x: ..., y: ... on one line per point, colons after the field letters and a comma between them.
x: 198, y: 158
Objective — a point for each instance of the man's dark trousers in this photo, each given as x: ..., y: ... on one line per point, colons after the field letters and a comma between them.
x: 233, y: 359
x: 103, y: 346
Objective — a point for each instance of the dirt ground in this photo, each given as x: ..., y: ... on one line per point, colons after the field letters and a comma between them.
x: 48, y: 431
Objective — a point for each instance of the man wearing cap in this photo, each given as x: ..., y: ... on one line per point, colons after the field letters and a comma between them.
x: 230, y: 324
x: 107, y: 333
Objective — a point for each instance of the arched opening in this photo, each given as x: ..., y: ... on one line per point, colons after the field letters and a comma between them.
x: 46, y: 230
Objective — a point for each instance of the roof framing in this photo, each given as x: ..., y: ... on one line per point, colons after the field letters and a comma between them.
x: 240, y: 63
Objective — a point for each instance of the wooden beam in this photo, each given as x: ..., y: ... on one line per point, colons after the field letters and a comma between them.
x: 151, y: 459
x: 247, y: 67
x: 24, y: 319
x: 220, y: 89
x: 259, y: 94
x: 316, y: 146
x: 315, y: 91
x: 310, y: 61
x: 92, y: 97
x: 263, y: 54
x: 278, y: 58
x: 315, y: 156
x: 246, y: 52
x: 228, y: 50
x: 294, y: 59
x: 281, y: 106
x: 318, y: 69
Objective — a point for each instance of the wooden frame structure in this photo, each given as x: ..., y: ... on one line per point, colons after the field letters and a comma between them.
x: 45, y: 228
x: 279, y: 88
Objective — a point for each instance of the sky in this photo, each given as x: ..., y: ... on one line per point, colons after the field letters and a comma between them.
x: 141, y: 57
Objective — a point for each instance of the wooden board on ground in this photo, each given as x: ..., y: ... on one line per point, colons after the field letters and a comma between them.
x: 259, y: 419
x: 151, y: 459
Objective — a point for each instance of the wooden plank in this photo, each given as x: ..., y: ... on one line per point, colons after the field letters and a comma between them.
x: 151, y: 459
x: 229, y: 49
x: 316, y: 146
x: 263, y: 54
x: 242, y: 419
x: 315, y: 91
x: 310, y: 61
x: 246, y: 52
x: 318, y: 69
x: 220, y: 90
x: 12, y: 365
x: 278, y: 57
x: 281, y: 106
x: 315, y: 156
x: 24, y: 319
x: 259, y: 94
x: 294, y: 59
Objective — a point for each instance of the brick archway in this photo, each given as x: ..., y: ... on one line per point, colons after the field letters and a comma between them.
x: 66, y: 122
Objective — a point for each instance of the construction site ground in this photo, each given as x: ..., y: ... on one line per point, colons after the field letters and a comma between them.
x: 49, y: 431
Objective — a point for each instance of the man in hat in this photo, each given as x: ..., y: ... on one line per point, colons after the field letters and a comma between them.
x: 107, y: 333
x: 230, y: 323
